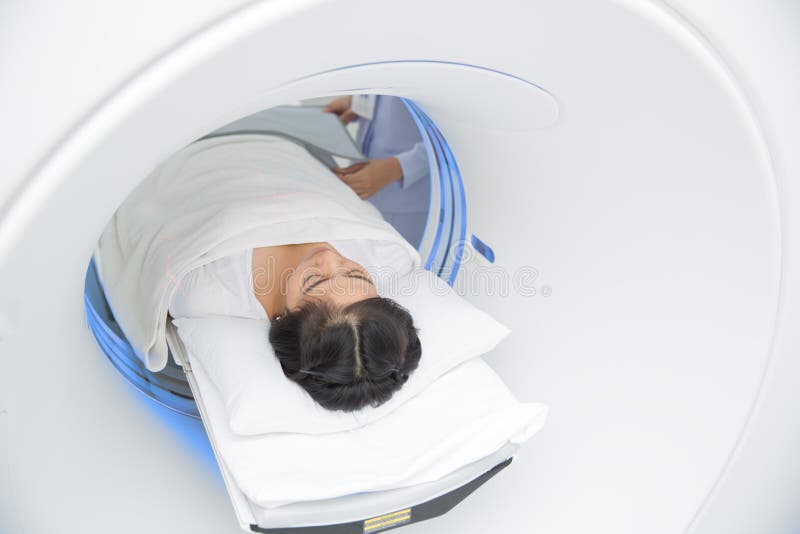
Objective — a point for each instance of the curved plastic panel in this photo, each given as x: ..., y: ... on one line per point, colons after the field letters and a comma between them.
x: 167, y: 387
x: 658, y: 208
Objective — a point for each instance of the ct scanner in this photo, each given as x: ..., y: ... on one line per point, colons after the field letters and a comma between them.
x: 631, y: 161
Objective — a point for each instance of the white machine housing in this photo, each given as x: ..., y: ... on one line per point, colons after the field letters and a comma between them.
x: 632, y: 164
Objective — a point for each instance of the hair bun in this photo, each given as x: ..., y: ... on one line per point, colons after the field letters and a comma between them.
x: 398, y: 375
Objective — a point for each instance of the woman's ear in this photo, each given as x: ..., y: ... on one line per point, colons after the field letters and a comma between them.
x: 290, y: 309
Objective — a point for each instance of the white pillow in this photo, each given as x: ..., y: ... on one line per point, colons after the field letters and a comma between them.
x: 259, y: 399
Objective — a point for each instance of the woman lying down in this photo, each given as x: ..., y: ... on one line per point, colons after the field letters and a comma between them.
x: 236, y: 235
x: 252, y: 226
x: 333, y: 334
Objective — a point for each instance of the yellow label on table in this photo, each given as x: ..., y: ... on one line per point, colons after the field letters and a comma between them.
x: 382, y: 522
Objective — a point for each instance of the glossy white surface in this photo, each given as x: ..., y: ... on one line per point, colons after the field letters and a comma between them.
x: 657, y: 209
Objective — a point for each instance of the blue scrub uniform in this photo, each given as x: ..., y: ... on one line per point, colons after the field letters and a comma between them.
x: 392, y: 132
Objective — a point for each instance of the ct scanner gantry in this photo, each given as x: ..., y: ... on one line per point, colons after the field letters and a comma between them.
x: 640, y: 156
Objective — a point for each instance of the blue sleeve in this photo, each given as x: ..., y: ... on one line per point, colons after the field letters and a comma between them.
x: 414, y: 163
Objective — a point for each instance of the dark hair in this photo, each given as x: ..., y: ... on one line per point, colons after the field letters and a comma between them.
x: 350, y: 357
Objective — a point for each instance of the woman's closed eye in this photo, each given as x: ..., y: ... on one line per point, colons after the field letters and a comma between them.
x: 308, y: 279
x: 360, y: 274
x: 318, y: 279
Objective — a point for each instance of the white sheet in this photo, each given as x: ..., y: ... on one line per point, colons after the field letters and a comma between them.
x: 466, y: 415
x: 211, y: 199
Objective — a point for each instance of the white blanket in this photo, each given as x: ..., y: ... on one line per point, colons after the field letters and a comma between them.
x: 213, y: 198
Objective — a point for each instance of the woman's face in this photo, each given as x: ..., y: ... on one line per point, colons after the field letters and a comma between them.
x: 324, y: 274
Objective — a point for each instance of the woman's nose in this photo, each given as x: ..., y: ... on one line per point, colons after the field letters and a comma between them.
x: 326, y: 259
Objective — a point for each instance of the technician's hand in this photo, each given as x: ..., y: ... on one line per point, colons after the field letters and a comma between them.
x: 367, y: 178
x: 341, y: 107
